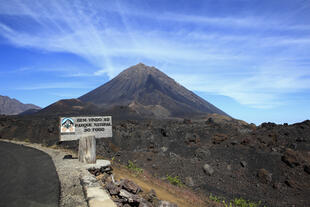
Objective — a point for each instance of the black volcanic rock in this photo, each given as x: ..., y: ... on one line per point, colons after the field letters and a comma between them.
x: 10, y: 106
x: 146, y: 89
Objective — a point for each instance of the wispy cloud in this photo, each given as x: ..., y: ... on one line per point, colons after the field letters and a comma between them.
x: 245, y: 63
x: 57, y: 85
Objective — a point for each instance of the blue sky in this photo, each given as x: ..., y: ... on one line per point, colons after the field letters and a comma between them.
x: 251, y: 58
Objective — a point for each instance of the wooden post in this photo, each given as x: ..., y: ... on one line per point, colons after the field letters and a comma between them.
x: 87, y: 149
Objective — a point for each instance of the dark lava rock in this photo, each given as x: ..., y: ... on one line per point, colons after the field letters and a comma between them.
x: 144, y: 203
x: 268, y: 125
x: 187, y: 121
x: 189, y: 181
x: 191, y: 139
x: 151, y: 196
x: 50, y: 129
x: 264, y: 176
x: 67, y: 157
x: 219, y: 138
x: 301, y: 139
x: 291, y: 183
x: 202, y: 153
x: 307, y: 169
x: 291, y: 158
x: 243, y: 163
x: 106, y: 169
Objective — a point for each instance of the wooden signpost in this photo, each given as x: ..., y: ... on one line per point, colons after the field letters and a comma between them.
x: 86, y: 130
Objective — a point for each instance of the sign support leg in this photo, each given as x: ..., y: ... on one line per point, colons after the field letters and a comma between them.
x: 87, y: 149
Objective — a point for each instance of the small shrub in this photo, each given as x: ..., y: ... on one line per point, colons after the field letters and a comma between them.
x: 133, y: 167
x: 240, y: 202
x: 174, y: 180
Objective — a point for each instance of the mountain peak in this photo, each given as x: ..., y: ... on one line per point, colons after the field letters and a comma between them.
x: 148, y: 86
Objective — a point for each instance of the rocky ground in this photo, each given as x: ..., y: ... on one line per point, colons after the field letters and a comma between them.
x: 126, y: 193
x: 226, y: 157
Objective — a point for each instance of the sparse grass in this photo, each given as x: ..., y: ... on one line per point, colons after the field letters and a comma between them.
x: 27, y: 140
x: 174, y: 180
x: 131, y: 166
x: 237, y: 202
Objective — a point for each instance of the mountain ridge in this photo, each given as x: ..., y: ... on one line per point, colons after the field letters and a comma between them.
x: 11, y: 106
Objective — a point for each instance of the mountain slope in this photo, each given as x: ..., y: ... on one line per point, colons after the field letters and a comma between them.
x: 10, y: 106
x: 141, y: 85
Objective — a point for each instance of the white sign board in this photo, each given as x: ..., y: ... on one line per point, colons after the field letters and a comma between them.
x: 73, y: 128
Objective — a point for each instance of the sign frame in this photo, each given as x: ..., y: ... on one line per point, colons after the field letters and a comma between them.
x: 102, y: 130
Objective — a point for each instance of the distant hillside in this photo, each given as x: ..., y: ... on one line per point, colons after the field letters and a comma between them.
x: 149, y: 92
x: 10, y: 106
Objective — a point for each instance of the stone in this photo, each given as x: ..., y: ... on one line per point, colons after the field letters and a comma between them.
x: 264, y: 176
x: 164, y: 149
x: 130, y: 186
x: 167, y: 204
x: 192, y: 139
x: 301, y: 139
x: 150, y: 196
x: 202, y: 153
x: 276, y: 186
x: 67, y: 157
x: 228, y: 167
x: 307, y: 169
x: 106, y: 169
x: 291, y: 183
x: 129, y: 196
x: 112, y: 188
x: 208, y: 169
x: 189, y: 181
x: 291, y: 158
x: 234, y: 142
x: 98, y: 165
x: 243, y: 163
x: 144, y: 203
x: 50, y: 129
x: 219, y: 138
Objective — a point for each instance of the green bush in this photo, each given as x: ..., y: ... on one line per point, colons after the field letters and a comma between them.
x: 240, y: 202
x: 133, y: 167
x: 174, y: 180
